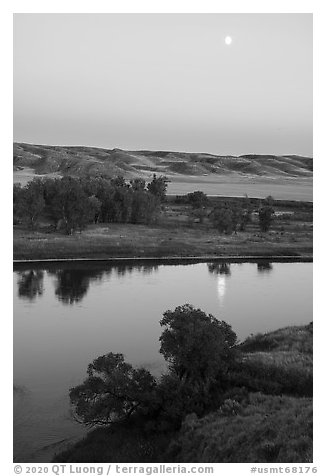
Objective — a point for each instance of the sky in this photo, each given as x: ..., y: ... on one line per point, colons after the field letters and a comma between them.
x: 165, y: 82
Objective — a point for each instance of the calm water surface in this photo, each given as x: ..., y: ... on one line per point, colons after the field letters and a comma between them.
x: 64, y: 317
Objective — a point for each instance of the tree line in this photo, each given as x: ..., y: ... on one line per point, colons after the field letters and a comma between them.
x: 229, y: 217
x: 72, y: 203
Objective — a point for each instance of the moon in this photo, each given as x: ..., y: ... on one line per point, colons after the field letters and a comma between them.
x: 228, y: 40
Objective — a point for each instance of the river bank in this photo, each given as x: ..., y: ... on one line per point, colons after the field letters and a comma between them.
x: 271, y: 423
x: 154, y: 241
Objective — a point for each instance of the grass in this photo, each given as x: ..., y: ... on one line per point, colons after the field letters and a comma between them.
x: 293, y: 338
x: 279, y: 362
x: 174, y: 235
x: 117, y: 444
x: 266, y: 429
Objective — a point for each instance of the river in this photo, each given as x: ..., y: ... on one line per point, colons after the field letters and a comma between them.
x: 67, y: 315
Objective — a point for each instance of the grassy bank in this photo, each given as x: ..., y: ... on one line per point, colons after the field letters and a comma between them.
x: 172, y: 236
x: 266, y: 429
x: 177, y: 232
x: 275, y: 422
x: 265, y: 417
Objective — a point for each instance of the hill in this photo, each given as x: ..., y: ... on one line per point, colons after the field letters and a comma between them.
x: 92, y: 161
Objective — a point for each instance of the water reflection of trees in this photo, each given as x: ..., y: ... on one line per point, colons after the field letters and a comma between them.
x: 124, y: 269
x: 30, y: 284
x: 72, y: 284
x: 264, y: 267
x: 219, y: 268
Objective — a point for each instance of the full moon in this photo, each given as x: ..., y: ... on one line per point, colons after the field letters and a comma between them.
x: 228, y: 40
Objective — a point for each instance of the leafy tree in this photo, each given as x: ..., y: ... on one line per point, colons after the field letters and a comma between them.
x: 144, y: 207
x: 197, y: 199
x: 246, y: 215
x: 119, y: 181
x: 17, y: 193
x: 229, y: 217
x: 223, y: 219
x: 269, y: 201
x: 113, y: 391
x: 94, y: 208
x: 29, y: 202
x: 122, y: 204
x: 50, y: 190
x: 198, y: 347
x: 71, y: 205
x: 138, y: 184
x: 265, y: 217
x: 105, y: 194
x: 158, y: 187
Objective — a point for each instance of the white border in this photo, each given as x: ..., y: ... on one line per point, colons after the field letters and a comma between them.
x: 167, y: 6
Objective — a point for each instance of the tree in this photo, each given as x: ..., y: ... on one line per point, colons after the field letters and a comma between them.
x: 198, y: 347
x: 94, y: 208
x: 17, y: 194
x: 122, y: 204
x: 138, y: 184
x: 245, y: 216
x: 105, y: 194
x: 144, y: 207
x: 71, y: 205
x: 265, y: 217
x: 119, y: 181
x: 158, y: 187
x: 197, y: 199
x: 113, y: 391
x: 222, y: 219
x: 29, y: 202
x: 269, y: 201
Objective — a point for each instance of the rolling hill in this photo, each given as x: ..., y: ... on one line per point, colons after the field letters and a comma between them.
x: 92, y: 161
